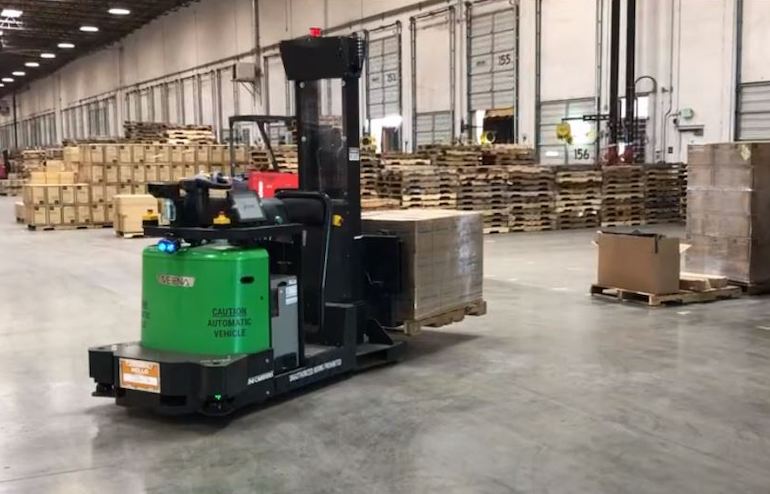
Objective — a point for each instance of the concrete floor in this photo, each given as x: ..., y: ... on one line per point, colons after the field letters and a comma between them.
x: 551, y: 392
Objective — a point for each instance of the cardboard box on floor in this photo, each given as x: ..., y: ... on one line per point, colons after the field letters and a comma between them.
x: 647, y: 263
x: 130, y: 210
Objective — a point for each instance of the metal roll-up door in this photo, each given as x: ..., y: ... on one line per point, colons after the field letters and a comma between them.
x: 552, y: 113
x: 384, y: 77
x: 492, y: 60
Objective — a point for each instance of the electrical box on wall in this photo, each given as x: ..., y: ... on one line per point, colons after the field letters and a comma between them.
x: 245, y: 72
x: 5, y: 108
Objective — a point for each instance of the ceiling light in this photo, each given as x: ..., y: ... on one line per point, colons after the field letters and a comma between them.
x: 7, y: 79
x: 18, y: 73
x: 89, y: 29
x: 119, y: 11
x: 32, y: 64
x: 66, y: 45
x: 2, y: 85
x: 47, y: 55
x: 12, y: 13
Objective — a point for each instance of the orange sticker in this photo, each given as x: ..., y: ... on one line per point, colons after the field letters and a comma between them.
x: 140, y: 375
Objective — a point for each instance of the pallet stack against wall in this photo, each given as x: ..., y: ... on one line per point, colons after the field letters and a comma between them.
x: 578, y: 196
x: 532, y: 192
x: 416, y: 183
x: 285, y: 158
x: 622, y: 195
x: 663, y: 193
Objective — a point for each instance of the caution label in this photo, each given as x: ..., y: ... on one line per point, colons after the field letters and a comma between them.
x: 140, y: 375
x: 229, y: 322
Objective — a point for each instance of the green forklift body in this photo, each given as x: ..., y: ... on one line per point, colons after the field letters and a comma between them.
x: 211, y: 300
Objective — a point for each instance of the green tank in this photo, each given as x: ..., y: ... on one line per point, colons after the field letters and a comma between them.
x: 210, y: 300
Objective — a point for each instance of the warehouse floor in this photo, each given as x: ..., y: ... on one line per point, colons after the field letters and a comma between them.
x: 552, y: 391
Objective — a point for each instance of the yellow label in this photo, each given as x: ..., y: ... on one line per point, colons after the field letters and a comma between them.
x: 140, y: 375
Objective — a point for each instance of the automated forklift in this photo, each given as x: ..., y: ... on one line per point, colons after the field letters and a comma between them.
x: 244, y: 298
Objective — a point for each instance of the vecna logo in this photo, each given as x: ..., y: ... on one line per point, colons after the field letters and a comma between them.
x: 174, y: 280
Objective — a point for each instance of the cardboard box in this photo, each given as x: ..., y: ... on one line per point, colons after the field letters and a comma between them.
x: 20, y: 211
x: 66, y: 178
x: 109, y: 213
x: 36, y: 178
x: 96, y: 153
x: 139, y: 189
x: 442, y: 262
x: 97, y: 213
x: 130, y: 210
x: 124, y: 189
x: 190, y: 171
x: 34, y: 195
x: 52, y: 178
x: 164, y: 173
x: 646, y: 263
x: 111, y: 153
x: 68, y: 195
x: 203, y: 154
x: 176, y: 155
x: 177, y: 172
x: 111, y: 174
x: 188, y: 154
x: 137, y: 173
x: 137, y: 154
x: 97, y: 193
x: 54, y: 215
x: 126, y: 153
x: 36, y: 215
x: 110, y: 191
x: 162, y: 153
x: 150, y: 154
x: 125, y: 173
x: 53, y: 195
x: 149, y: 172
x: 218, y: 154
x: 83, y: 194
x: 69, y: 215
x: 54, y: 166
x: 83, y: 214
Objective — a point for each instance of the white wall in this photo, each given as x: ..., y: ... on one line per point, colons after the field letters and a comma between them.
x: 686, y: 45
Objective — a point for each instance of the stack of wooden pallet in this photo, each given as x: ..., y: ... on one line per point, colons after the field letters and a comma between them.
x: 481, y: 187
x: 260, y: 159
x: 191, y: 134
x: 370, y: 174
x: 147, y: 132
x: 414, y: 182
x: 33, y: 159
x: 682, y: 168
x: 663, y: 189
x: 622, y: 195
x: 285, y: 158
x: 508, y: 155
x: 531, y: 190
x: 578, y: 196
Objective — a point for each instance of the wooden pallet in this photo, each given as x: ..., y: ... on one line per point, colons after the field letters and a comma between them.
x: 680, y: 298
x: 49, y: 228
x: 752, y: 288
x: 130, y: 234
x: 477, y: 308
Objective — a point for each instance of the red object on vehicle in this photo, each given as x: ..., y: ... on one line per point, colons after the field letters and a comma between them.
x: 3, y: 172
x: 315, y: 32
x: 266, y: 183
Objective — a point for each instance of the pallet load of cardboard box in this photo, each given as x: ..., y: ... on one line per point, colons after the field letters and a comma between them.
x: 54, y: 199
x: 728, y: 200
x: 99, y: 172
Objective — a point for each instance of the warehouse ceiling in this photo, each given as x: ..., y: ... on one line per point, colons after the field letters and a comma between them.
x: 40, y: 36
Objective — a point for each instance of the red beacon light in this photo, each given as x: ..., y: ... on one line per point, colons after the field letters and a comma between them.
x: 315, y: 32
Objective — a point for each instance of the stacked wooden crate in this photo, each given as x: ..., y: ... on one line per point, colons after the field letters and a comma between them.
x: 578, y: 196
x: 414, y: 182
x: 33, y: 159
x: 622, y: 195
x: 663, y: 193
x: 532, y: 206
x: 286, y: 157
